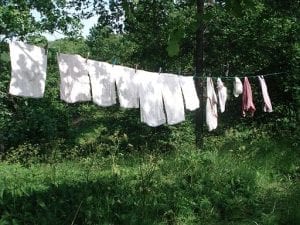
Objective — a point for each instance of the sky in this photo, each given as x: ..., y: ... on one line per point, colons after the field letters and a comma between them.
x: 87, y: 25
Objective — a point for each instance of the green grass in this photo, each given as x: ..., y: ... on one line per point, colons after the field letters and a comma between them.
x: 240, y: 178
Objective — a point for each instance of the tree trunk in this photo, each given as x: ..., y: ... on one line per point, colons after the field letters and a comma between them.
x: 199, y: 79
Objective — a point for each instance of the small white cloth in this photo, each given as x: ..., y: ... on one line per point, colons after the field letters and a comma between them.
x: 28, y: 70
x: 265, y: 93
x: 173, y: 99
x: 151, y: 101
x: 102, y: 82
x: 74, y: 78
x: 237, y: 87
x: 127, y: 87
x: 211, y: 105
x: 222, y: 93
x: 188, y: 88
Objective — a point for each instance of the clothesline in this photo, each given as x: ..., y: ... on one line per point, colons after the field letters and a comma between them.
x: 232, y: 77
x: 57, y: 51
x: 114, y: 62
x: 161, y: 97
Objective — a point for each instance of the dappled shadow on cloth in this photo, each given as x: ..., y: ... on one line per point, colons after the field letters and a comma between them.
x: 74, y: 79
x: 102, y: 83
x: 28, y: 74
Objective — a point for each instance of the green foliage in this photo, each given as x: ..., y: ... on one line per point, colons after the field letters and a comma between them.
x: 217, y: 186
x: 115, y: 49
x: 83, y: 164
x: 21, y: 18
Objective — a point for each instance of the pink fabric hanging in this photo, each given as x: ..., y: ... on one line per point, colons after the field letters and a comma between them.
x: 247, y: 103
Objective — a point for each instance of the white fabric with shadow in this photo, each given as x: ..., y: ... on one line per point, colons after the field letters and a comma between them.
x: 222, y: 93
x: 265, y: 93
x: 28, y: 70
x: 189, y: 92
x: 127, y: 87
x: 151, y: 101
x: 173, y: 99
x: 102, y: 82
x: 74, y: 79
x: 237, y: 87
x: 211, y: 105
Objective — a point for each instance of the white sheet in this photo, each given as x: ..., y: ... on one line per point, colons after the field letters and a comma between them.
x: 189, y: 92
x: 222, y: 93
x: 173, y: 99
x: 102, y: 82
x: 28, y: 70
x: 151, y: 101
x: 127, y: 87
x: 74, y: 79
x: 211, y: 105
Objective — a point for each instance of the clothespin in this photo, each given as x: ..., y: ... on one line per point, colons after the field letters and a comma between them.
x: 87, y: 57
x: 227, y: 69
x: 58, y: 52
x: 204, y: 75
x: 46, y: 48
x: 114, y: 61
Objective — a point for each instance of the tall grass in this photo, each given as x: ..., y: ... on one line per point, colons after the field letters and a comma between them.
x: 243, y: 177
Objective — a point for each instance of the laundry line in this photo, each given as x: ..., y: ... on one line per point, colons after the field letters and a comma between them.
x: 161, y: 97
x: 233, y: 77
x: 114, y: 62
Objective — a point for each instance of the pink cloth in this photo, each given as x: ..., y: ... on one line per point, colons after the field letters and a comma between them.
x: 247, y: 104
x: 266, y: 97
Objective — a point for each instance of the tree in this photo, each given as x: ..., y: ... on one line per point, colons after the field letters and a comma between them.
x: 105, y: 45
x: 252, y: 37
x: 19, y: 18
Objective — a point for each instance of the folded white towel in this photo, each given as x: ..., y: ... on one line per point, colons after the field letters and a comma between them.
x: 211, y: 105
x: 265, y: 93
x: 102, y: 82
x: 28, y: 70
x: 151, y: 101
x: 237, y: 87
x: 126, y: 86
x: 222, y: 93
x: 74, y: 79
x: 189, y: 92
x: 173, y: 99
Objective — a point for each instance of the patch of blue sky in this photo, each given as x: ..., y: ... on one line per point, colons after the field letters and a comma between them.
x: 87, y: 25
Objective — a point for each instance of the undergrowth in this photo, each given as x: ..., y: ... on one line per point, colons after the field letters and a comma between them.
x: 241, y: 177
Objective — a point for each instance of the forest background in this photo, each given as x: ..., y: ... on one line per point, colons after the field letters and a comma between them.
x: 83, y: 164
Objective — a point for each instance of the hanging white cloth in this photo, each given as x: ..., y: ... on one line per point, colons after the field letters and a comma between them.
x: 102, y: 82
x: 151, y: 101
x: 237, y: 87
x: 74, y: 79
x: 211, y: 105
x: 188, y: 88
x: 265, y: 93
x: 127, y: 87
x: 28, y: 70
x: 222, y: 93
x: 173, y: 99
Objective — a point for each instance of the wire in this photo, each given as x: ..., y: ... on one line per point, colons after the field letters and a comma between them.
x: 199, y: 77
x: 232, y: 77
x: 265, y: 75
